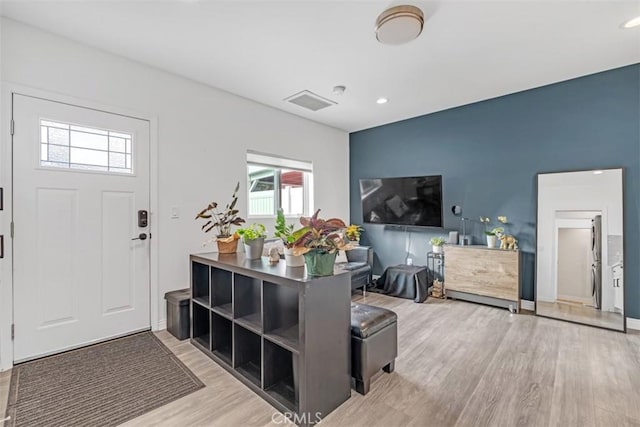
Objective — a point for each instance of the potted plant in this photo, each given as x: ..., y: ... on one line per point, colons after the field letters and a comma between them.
x: 495, y: 232
x: 221, y: 220
x: 319, y: 242
x: 353, y: 233
x: 253, y: 240
x: 437, y: 243
x: 288, y: 236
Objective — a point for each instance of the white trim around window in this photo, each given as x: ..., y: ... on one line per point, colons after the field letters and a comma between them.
x: 275, y: 182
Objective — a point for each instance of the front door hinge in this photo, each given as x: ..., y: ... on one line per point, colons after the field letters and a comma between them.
x: 13, y: 331
x: 12, y: 229
x: 12, y: 127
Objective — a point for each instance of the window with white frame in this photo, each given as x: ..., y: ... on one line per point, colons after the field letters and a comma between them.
x: 67, y: 146
x: 277, y: 182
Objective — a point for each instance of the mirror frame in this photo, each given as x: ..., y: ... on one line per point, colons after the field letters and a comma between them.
x: 624, y: 251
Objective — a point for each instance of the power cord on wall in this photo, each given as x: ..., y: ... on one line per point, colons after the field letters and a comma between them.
x: 407, y: 258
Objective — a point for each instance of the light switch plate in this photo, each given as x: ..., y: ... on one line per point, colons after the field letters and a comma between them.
x: 175, y: 212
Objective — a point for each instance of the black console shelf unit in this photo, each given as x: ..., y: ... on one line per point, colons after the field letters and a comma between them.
x: 283, y: 334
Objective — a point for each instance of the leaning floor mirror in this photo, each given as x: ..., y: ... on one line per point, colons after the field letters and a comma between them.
x: 579, y: 252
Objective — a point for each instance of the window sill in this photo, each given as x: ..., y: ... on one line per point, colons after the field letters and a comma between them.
x: 274, y: 216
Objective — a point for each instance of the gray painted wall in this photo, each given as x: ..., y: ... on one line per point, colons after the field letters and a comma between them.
x: 489, y: 153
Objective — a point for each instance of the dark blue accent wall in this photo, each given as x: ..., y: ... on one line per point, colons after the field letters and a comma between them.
x: 490, y: 152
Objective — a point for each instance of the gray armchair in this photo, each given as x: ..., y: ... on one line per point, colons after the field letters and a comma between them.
x: 360, y: 266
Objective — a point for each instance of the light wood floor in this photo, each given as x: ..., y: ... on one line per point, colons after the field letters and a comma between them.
x: 580, y: 313
x: 460, y: 364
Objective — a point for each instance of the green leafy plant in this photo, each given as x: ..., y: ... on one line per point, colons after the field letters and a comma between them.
x: 321, y: 235
x: 221, y: 219
x: 495, y: 231
x: 253, y: 232
x: 286, y: 232
x: 437, y: 241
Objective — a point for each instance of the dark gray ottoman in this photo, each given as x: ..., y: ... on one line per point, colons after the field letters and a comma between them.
x: 374, y: 343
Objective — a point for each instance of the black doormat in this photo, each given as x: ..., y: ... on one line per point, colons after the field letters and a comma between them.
x: 101, y: 385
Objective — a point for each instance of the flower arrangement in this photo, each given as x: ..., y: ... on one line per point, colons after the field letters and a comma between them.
x: 495, y: 231
x: 353, y: 232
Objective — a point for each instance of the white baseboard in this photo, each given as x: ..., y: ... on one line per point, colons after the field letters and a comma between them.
x: 527, y: 305
x: 162, y: 324
x: 633, y: 323
x: 531, y: 306
x: 572, y: 299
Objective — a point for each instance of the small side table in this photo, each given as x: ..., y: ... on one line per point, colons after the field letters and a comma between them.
x: 435, y: 267
x: 404, y: 281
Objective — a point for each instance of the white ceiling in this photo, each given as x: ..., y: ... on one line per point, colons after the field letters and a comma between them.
x: 268, y: 50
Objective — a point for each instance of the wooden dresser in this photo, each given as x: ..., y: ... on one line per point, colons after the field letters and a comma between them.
x: 483, y: 275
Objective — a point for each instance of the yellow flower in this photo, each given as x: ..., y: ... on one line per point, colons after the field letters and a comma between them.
x: 353, y: 232
x: 502, y: 219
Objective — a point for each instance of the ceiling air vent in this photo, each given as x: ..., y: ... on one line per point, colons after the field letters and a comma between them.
x: 310, y: 100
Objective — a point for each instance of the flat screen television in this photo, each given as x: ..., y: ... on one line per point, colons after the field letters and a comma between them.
x: 415, y: 201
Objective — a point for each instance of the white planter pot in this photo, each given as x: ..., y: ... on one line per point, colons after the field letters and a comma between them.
x: 437, y: 249
x: 293, y: 260
x: 491, y: 241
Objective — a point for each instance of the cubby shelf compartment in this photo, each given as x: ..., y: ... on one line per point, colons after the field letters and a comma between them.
x: 221, y: 292
x: 221, y: 337
x: 247, y: 302
x: 281, y: 315
x: 201, y: 328
x: 253, y: 322
x: 284, y: 335
x: 281, y: 370
x: 201, y: 303
x: 223, y: 310
x: 200, y: 283
x: 248, y: 354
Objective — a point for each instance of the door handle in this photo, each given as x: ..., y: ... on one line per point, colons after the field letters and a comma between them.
x: 141, y: 236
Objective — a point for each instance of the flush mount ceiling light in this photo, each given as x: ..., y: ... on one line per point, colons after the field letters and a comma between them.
x: 632, y: 23
x: 399, y: 24
x: 382, y: 101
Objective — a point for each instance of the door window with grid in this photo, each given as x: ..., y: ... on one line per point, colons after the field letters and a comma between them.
x: 67, y: 146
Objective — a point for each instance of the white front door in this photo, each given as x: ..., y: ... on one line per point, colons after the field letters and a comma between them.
x: 80, y: 176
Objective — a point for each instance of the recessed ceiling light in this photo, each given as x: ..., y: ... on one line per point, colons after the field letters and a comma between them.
x: 631, y: 23
x: 382, y: 100
x: 598, y: 172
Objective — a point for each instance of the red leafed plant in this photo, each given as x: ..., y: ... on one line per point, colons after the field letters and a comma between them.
x: 321, y: 235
